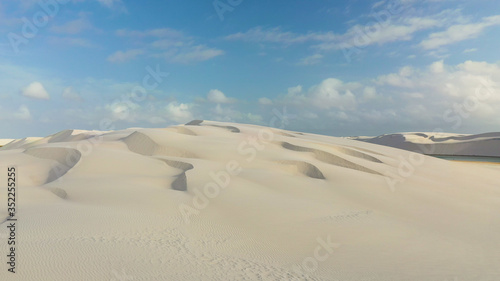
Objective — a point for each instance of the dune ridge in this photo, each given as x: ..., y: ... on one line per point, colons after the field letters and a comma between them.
x: 143, y: 144
x: 334, y: 159
x: 180, y: 183
x: 66, y: 158
x: 441, y: 144
x: 5, y: 141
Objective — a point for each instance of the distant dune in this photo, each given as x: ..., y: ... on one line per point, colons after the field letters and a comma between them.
x: 5, y: 141
x: 441, y: 143
x: 227, y: 201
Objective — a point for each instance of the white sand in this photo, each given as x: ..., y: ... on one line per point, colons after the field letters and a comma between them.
x: 144, y: 204
x: 487, y: 144
x: 5, y: 141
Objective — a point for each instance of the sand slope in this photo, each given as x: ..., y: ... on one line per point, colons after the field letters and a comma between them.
x: 487, y: 144
x: 5, y: 141
x: 223, y: 201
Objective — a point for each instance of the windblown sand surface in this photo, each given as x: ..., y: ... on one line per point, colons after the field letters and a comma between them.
x: 223, y: 201
x: 487, y: 144
x: 5, y: 141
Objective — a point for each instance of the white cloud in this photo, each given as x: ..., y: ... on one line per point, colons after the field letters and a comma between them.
x: 400, y: 79
x: 226, y: 114
x: 76, y: 26
x: 35, y: 90
x: 157, y: 120
x: 437, y: 67
x: 276, y: 35
x: 23, y: 113
x: 459, y: 32
x: 378, y: 28
x: 310, y: 115
x: 167, y: 43
x: 124, y: 110
x: 385, y: 30
x: 265, y: 101
x: 70, y: 94
x: 123, y: 56
x: 369, y: 93
x: 179, y: 112
x: 254, y: 118
x: 470, y: 50
x: 378, y: 4
x: 453, y: 97
x: 293, y: 91
x: 442, y: 88
x: 311, y: 60
x: 332, y: 93
x: 217, y: 96
x: 360, y: 36
x: 116, y: 5
x: 158, y: 33
x: 193, y: 54
x: 172, y: 45
x: 71, y: 41
x: 411, y: 98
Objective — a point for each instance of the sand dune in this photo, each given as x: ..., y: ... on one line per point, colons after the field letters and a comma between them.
x: 20, y: 142
x: 334, y: 159
x: 5, y: 141
x: 66, y: 159
x: 143, y: 144
x: 180, y: 183
x: 441, y: 143
x: 303, y: 168
x: 226, y: 201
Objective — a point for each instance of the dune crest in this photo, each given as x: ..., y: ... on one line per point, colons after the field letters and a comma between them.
x: 304, y: 168
x: 441, y: 143
x: 180, y: 183
x: 66, y: 158
x: 334, y: 159
x: 143, y: 144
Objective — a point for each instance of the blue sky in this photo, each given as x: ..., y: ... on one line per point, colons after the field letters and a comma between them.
x: 330, y: 67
